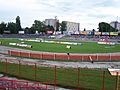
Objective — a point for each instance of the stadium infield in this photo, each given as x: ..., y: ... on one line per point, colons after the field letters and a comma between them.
x: 86, y: 47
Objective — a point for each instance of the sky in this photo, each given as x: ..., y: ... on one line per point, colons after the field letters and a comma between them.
x: 86, y: 12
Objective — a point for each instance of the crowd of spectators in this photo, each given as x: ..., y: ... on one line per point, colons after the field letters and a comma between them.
x: 66, y: 37
x: 91, y: 38
x: 22, y: 36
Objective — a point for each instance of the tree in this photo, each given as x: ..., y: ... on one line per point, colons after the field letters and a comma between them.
x: 2, y: 27
x: 27, y: 30
x: 18, y: 24
x: 84, y: 29
x: 63, y: 26
x: 57, y: 26
x: 12, y: 27
x: 50, y: 27
x: 39, y: 26
x: 93, y: 30
x: 105, y: 27
x: 32, y: 30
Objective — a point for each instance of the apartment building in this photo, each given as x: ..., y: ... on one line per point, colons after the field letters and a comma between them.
x: 72, y: 27
x: 115, y: 24
x: 51, y: 22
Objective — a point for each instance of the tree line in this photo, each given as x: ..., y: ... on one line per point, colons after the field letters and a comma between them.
x: 11, y: 27
x: 14, y: 28
x: 105, y: 27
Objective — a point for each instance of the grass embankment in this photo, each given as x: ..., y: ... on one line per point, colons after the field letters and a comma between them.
x: 65, y: 77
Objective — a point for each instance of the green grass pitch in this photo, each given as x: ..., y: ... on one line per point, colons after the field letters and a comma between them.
x: 86, y: 47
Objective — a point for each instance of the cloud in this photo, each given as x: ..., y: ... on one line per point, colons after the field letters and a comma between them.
x: 87, y: 12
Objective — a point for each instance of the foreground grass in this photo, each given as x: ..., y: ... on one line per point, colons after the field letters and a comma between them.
x: 65, y: 77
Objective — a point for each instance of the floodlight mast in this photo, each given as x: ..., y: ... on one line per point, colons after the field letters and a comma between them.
x: 55, y: 26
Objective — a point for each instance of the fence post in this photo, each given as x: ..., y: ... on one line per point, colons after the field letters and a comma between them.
x: 68, y: 56
x: 78, y: 76
x: 12, y: 84
x: 9, y: 52
x: 30, y: 55
x: 54, y: 56
x: 46, y: 87
x: 82, y: 58
x: 117, y: 82
x: 42, y: 56
x: 110, y: 56
x: 103, y: 81
x: 97, y: 57
x: 19, y: 68
x: 35, y: 71
x: 6, y: 67
x: 55, y: 77
x: 20, y: 53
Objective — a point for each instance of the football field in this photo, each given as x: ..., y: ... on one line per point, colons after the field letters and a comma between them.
x: 85, y: 47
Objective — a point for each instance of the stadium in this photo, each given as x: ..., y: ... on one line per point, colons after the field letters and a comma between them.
x: 67, y: 63
x: 60, y: 45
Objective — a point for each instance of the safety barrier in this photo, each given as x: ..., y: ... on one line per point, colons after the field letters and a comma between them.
x: 70, y: 77
x: 82, y: 57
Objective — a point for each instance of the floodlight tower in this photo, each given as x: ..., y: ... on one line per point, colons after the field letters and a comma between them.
x: 55, y: 24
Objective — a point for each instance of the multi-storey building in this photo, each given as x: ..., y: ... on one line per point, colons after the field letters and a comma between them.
x: 116, y: 25
x: 51, y: 22
x: 72, y: 27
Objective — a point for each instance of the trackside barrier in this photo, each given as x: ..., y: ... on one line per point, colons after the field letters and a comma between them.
x: 82, y: 57
x: 69, y: 77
